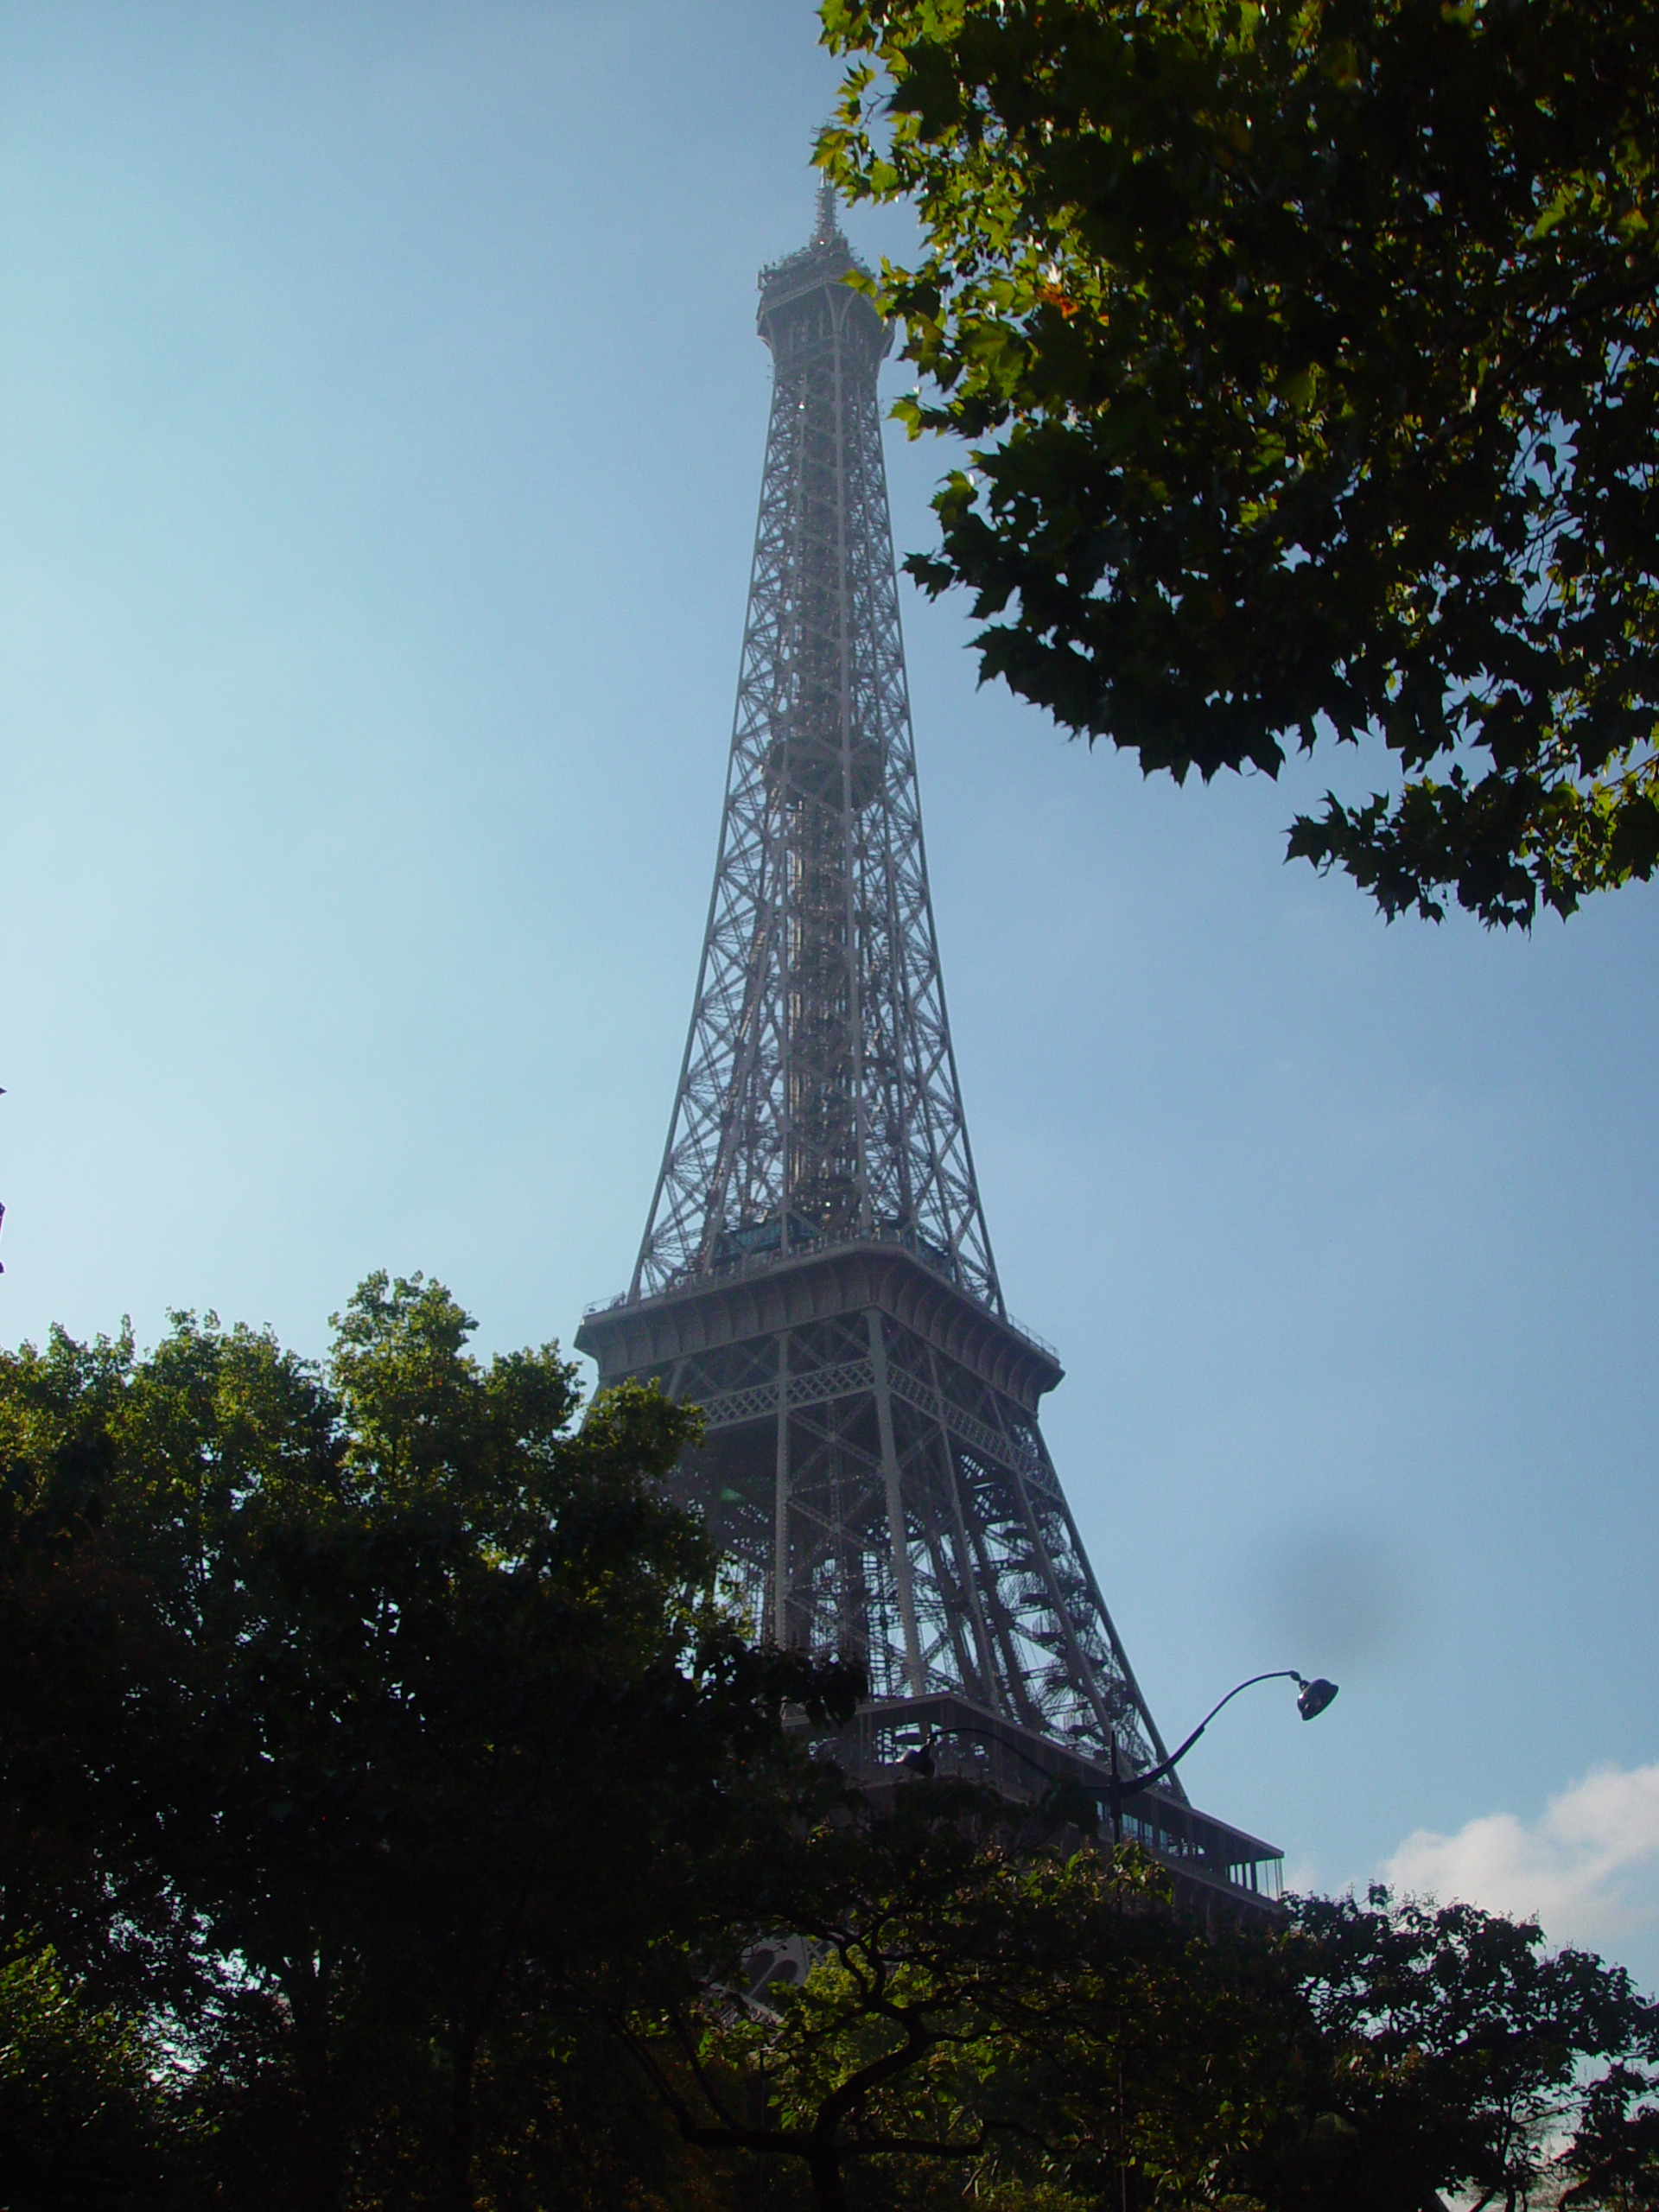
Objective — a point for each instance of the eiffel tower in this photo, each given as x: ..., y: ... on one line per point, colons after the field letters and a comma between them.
x: 815, y: 1271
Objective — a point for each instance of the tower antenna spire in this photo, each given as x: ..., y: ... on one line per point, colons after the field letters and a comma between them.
x: 826, y: 227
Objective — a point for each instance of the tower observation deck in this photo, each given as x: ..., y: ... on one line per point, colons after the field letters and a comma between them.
x: 815, y: 1271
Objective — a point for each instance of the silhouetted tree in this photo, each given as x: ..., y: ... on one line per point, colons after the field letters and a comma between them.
x: 355, y: 1719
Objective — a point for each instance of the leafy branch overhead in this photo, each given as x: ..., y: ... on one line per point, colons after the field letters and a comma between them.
x: 1307, y: 358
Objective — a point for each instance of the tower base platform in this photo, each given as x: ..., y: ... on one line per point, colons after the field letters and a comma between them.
x: 1216, y: 1869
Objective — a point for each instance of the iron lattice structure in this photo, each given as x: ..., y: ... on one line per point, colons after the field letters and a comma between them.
x: 815, y: 1271
x: 818, y: 1098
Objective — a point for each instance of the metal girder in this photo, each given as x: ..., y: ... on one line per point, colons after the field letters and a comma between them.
x: 878, y: 1498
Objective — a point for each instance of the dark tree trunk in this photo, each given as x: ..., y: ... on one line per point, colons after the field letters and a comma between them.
x: 317, y: 2155
x: 458, y: 2183
x: 828, y: 2187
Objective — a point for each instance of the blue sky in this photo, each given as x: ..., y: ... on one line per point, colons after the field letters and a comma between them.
x: 382, y: 421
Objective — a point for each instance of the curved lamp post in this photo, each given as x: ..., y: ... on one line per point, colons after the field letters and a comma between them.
x: 1311, y: 1699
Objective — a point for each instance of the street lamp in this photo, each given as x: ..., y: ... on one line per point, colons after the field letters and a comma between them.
x: 1311, y: 1699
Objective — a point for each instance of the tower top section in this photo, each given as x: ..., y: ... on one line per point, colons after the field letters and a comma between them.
x: 818, y: 1105
x: 826, y: 227
x: 805, y: 301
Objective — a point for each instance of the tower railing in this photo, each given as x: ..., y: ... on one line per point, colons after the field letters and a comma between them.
x: 740, y: 1264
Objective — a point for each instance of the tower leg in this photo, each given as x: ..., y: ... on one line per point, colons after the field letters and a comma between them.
x: 895, y: 1507
x: 966, y: 1575
x: 780, y: 1576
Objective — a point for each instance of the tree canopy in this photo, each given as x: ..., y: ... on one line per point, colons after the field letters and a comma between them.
x: 980, y: 1991
x: 1307, y: 356
x: 393, y: 1819
x: 996, y: 2011
x: 353, y: 1720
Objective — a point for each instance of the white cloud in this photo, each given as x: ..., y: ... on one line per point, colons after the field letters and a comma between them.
x: 1588, y: 1867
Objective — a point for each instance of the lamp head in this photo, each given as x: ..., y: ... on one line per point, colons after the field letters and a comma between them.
x: 1313, y: 1697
